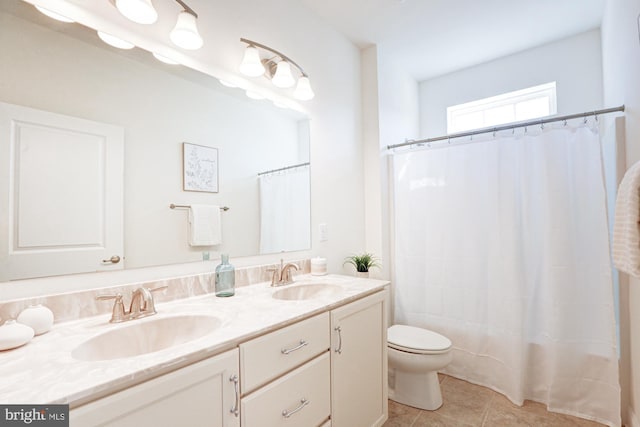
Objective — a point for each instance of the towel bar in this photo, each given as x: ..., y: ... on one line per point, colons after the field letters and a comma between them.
x: 174, y: 206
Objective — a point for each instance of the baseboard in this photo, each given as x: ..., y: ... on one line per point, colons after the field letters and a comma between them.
x: 632, y: 417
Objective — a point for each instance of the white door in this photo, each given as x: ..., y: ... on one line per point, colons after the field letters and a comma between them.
x: 61, y: 191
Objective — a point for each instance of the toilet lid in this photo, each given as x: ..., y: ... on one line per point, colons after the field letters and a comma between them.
x: 417, y: 339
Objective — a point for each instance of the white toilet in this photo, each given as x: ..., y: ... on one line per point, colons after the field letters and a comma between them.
x: 415, y: 356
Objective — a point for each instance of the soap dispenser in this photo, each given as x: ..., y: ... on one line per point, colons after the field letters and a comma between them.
x: 225, y: 278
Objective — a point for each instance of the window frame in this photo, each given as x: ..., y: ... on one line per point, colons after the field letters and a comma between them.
x: 513, y: 98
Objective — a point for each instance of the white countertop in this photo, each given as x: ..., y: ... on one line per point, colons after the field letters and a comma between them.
x: 43, y: 371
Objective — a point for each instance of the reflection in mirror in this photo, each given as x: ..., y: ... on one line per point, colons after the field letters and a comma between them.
x: 65, y: 69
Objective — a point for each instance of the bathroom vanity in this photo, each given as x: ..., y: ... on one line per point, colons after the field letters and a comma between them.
x: 307, y: 354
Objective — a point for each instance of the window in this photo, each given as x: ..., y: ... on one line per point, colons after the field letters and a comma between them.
x: 525, y: 104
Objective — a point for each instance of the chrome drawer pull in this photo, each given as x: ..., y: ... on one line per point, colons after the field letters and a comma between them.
x: 291, y: 350
x: 235, y: 409
x: 303, y: 402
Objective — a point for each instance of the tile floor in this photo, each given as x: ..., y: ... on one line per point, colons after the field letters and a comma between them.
x: 470, y: 405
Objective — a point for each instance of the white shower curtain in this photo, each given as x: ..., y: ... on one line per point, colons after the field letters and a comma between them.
x: 285, y: 216
x: 502, y: 246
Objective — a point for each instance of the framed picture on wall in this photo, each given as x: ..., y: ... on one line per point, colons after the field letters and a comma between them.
x: 200, y: 168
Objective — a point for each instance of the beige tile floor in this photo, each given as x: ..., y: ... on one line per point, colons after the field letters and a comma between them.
x: 470, y: 405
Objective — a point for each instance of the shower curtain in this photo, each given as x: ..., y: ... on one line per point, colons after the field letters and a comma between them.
x: 502, y: 246
x: 285, y: 215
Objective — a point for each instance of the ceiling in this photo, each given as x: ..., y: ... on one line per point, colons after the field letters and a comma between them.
x: 429, y: 38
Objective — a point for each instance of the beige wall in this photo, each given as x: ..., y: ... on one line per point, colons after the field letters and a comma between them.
x: 621, y: 75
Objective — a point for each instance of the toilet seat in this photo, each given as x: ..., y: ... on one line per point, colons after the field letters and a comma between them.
x: 415, y: 340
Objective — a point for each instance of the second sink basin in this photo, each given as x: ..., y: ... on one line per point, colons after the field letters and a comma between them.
x: 147, y: 336
x: 308, y: 291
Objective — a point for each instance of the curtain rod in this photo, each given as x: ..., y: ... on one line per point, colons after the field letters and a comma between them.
x: 284, y: 168
x: 510, y: 126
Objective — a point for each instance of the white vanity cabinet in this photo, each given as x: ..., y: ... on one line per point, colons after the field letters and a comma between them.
x: 286, y: 376
x: 204, y: 394
x: 329, y: 370
x: 359, y: 363
x: 290, y: 377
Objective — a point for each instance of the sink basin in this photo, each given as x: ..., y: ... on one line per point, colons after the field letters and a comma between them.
x: 147, y: 336
x: 308, y: 291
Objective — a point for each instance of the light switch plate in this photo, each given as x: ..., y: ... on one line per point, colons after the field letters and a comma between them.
x: 323, y: 232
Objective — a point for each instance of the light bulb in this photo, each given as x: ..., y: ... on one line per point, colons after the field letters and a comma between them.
x: 303, y: 90
x: 54, y: 15
x: 227, y: 83
x: 254, y: 95
x: 283, y: 77
x: 185, y: 33
x: 140, y: 11
x: 115, y: 41
x: 164, y: 59
x: 280, y: 104
x: 251, y: 64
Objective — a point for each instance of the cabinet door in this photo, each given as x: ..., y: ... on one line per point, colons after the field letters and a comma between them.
x: 200, y: 395
x: 359, y: 363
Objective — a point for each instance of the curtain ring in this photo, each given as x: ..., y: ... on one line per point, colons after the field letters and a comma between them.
x: 585, y: 119
x: 565, y: 123
x: 449, y: 140
x: 525, y: 129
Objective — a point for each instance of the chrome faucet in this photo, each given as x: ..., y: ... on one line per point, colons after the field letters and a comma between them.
x: 282, y: 276
x: 142, y: 304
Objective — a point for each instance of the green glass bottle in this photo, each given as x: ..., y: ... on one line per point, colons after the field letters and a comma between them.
x: 225, y: 278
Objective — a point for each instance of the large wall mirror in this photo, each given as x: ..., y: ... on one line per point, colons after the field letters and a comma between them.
x: 262, y: 150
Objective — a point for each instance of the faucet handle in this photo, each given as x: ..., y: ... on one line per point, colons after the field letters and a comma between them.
x: 159, y: 288
x: 106, y: 297
x: 117, y: 314
x: 151, y: 304
x: 274, y: 276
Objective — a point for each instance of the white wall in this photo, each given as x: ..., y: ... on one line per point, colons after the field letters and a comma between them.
x: 574, y: 63
x: 621, y: 71
x: 390, y: 110
x: 336, y: 147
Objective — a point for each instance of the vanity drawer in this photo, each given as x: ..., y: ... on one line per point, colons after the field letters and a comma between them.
x: 267, y: 357
x: 310, y: 383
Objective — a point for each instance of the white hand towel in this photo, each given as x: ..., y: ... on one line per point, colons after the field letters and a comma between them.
x: 204, y: 225
x: 626, y: 232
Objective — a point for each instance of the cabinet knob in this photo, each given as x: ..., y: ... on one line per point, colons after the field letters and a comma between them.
x: 113, y: 260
